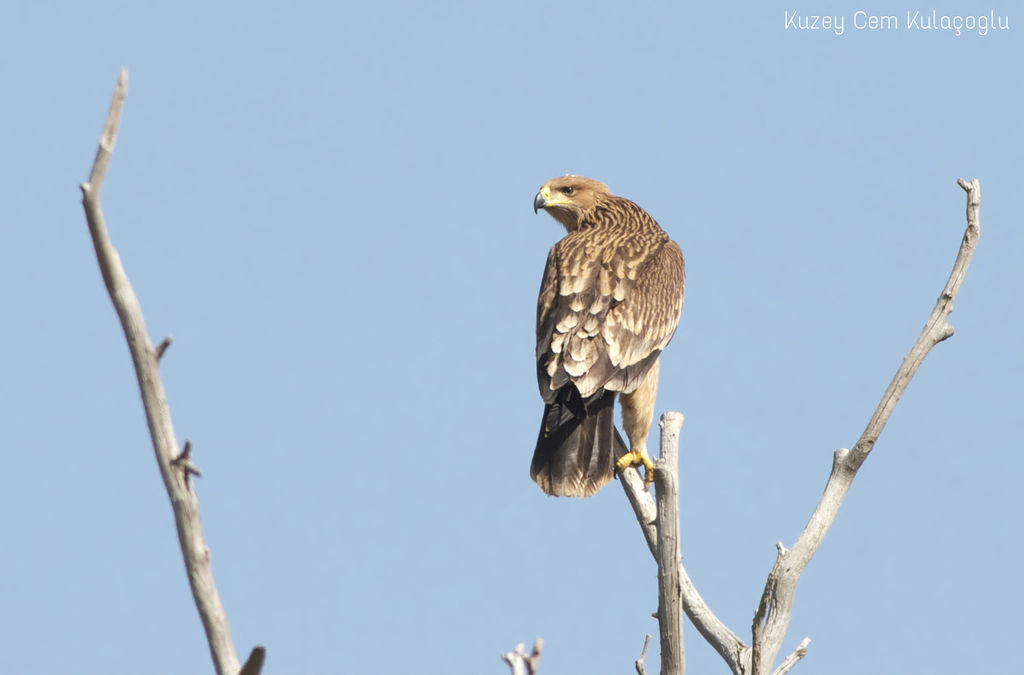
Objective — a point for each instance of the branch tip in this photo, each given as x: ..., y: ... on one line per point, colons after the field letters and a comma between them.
x: 109, y: 137
x: 639, y: 663
x: 796, y: 655
x: 184, y: 462
x: 162, y: 347
x: 671, y: 420
x: 254, y: 664
x: 520, y: 662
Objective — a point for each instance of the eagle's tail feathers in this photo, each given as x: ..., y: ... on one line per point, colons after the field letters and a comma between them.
x: 577, y: 445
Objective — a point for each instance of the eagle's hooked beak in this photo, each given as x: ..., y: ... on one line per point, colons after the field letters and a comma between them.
x: 541, y: 200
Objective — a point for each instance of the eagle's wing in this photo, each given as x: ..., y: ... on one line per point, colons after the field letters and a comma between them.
x: 638, y: 328
x: 547, y: 314
x: 606, y: 310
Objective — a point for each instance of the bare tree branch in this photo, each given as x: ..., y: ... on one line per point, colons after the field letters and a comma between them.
x: 666, y: 483
x: 175, y: 468
x: 639, y: 663
x: 254, y: 664
x: 790, y: 661
x: 728, y: 645
x: 184, y: 462
x: 643, y: 506
x: 773, y: 613
x: 162, y: 347
x: 522, y: 663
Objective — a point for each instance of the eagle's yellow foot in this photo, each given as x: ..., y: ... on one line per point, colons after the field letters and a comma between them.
x: 636, y: 458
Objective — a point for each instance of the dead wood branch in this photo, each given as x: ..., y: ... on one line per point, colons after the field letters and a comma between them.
x: 522, y: 663
x: 728, y: 645
x: 254, y: 664
x: 639, y: 663
x: 773, y: 613
x: 775, y: 608
x: 796, y: 655
x: 175, y: 468
x: 670, y: 599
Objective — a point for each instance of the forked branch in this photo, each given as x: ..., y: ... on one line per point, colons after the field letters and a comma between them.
x: 775, y: 608
x: 522, y: 663
x: 175, y: 467
x: 728, y: 645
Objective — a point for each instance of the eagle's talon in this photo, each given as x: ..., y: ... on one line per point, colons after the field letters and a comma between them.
x: 637, y: 458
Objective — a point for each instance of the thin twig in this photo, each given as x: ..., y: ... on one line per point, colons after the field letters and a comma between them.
x: 795, y: 655
x: 162, y: 347
x: 254, y: 664
x: 184, y: 462
x: 639, y: 663
x: 184, y: 502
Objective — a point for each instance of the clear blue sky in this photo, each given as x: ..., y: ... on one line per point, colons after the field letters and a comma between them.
x: 329, y: 207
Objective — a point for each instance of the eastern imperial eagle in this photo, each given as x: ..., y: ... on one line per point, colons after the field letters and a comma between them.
x: 609, y: 303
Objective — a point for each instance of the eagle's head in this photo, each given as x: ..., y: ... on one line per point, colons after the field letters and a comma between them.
x: 569, y: 198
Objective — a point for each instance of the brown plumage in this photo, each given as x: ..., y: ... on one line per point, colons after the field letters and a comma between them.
x: 609, y: 303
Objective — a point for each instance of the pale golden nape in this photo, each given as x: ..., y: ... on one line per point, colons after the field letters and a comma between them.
x: 610, y: 300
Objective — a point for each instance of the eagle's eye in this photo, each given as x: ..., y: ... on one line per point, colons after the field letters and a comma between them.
x: 568, y: 190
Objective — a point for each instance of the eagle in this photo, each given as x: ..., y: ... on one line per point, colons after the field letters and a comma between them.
x: 609, y: 302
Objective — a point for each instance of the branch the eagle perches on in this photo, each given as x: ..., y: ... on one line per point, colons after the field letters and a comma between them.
x: 775, y: 608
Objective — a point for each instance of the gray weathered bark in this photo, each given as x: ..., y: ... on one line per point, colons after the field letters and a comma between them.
x: 775, y: 608
x: 717, y: 634
x: 670, y: 598
x: 522, y: 663
x: 175, y: 467
x: 639, y: 663
x: 773, y: 613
